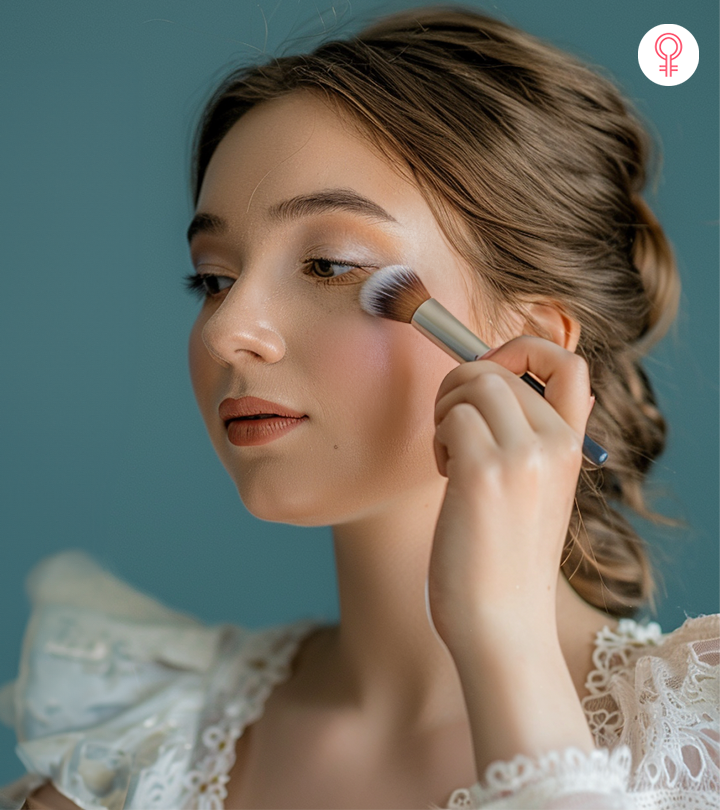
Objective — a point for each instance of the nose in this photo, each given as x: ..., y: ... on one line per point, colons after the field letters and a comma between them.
x: 243, y: 326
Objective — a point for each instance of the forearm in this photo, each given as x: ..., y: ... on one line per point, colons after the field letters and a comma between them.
x: 519, y: 695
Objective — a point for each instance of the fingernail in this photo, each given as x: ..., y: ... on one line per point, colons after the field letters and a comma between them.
x: 592, y: 404
x: 487, y: 354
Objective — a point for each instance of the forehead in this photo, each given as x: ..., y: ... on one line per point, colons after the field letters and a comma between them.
x: 297, y: 144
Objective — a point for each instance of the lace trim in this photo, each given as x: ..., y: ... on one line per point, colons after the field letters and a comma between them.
x: 615, y: 651
x: 264, y: 668
x: 560, y: 771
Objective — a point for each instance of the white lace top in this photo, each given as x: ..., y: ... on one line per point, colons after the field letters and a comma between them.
x: 124, y: 703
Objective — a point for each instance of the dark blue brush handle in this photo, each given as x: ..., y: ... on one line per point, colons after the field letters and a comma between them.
x: 592, y: 451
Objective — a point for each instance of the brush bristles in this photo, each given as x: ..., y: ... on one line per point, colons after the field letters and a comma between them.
x: 393, y: 292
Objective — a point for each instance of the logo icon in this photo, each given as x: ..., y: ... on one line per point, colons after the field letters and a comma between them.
x: 668, y: 54
x: 668, y: 68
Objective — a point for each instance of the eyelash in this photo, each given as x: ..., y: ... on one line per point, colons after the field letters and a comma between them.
x: 195, y: 283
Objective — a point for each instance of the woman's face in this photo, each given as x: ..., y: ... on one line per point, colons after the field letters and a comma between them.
x: 279, y: 330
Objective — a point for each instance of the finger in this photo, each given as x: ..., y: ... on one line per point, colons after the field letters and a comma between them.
x: 496, y: 399
x: 565, y: 375
x: 457, y: 376
x: 462, y: 432
x: 540, y: 415
x: 528, y: 400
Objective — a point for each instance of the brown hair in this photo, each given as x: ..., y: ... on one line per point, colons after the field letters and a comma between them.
x: 533, y: 164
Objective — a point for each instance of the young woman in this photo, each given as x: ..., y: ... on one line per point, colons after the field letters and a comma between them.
x: 486, y: 654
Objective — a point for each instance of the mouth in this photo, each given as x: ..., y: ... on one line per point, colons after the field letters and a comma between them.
x: 250, y: 408
x: 266, y: 428
x: 263, y: 416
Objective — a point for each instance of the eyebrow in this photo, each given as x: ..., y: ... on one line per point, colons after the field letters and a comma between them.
x: 302, y: 205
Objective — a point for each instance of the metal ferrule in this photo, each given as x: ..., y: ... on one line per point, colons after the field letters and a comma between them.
x: 446, y: 331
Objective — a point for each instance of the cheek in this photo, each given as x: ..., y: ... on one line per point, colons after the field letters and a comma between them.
x: 381, y: 379
x: 350, y: 360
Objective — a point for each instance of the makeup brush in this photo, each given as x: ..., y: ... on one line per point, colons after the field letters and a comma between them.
x: 397, y: 293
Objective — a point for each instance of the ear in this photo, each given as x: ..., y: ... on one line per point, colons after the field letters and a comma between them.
x: 553, y: 324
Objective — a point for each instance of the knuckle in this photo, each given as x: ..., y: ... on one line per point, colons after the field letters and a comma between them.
x: 532, y: 340
x: 486, y: 472
x: 579, y: 360
x: 487, y: 381
x: 461, y: 413
x: 453, y: 379
x: 530, y: 457
x: 575, y: 446
x: 456, y: 419
x: 568, y: 445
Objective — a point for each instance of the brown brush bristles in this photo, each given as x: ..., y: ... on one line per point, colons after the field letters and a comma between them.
x: 394, y: 292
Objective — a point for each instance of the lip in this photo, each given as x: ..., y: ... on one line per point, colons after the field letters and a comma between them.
x: 250, y: 406
x: 254, y: 432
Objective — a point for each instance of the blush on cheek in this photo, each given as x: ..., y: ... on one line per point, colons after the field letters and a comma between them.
x: 376, y: 378
x: 349, y: 358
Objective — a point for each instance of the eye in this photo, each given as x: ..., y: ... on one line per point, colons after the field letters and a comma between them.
x: 324, y: 269
x: 206, y: 285
x: 210, y: 285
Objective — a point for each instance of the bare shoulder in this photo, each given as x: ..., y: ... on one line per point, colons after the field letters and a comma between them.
x: 46, y: 797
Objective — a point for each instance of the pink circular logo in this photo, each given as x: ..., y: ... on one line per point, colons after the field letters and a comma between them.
x: 668, y: 54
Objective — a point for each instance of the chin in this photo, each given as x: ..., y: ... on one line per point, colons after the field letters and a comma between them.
x: 289, y: 505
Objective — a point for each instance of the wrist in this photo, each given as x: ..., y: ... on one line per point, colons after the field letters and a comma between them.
x: 533, y: 705
x: 502, y: 652
x: 489, y: 628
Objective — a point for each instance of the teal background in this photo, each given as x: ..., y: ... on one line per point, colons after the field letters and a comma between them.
x: 102, y: 445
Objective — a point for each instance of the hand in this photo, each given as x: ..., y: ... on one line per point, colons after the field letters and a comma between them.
x: 512, y: 459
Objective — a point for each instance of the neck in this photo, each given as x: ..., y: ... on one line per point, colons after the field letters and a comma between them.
x: 386, y: 660
x: 392, y: 661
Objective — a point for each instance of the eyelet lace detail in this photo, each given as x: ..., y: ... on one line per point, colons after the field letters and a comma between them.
x: 266, y: 661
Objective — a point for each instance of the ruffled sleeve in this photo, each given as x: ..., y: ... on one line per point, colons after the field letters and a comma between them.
x: 111, y: 687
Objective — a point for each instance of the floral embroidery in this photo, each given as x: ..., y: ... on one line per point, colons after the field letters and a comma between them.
x: 161, y: 701
x: 206, y: 784
x: 219, y: 739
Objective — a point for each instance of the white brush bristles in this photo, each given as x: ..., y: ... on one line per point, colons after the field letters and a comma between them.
x: 394, y: 292
x: 387, y: 281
